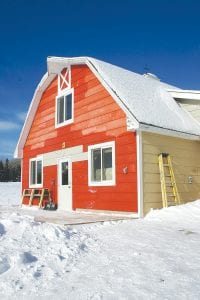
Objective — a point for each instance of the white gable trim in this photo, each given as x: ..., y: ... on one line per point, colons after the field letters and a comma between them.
x: 185, y: 95
x: 55, y: 65
x: 45, y: 81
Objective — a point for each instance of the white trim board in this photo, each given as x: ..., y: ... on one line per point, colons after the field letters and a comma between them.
x: 75, y: 153
x: 185, y: 95
x: 45, y: 81
x: 139, y: 174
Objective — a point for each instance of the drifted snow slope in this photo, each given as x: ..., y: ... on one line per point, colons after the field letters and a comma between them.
x: 154, y: 258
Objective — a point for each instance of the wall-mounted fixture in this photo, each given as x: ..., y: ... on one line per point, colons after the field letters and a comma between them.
x: 125, y: 170
x: 190, y: 179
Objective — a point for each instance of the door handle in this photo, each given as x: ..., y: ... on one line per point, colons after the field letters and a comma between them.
x: 69, y: 186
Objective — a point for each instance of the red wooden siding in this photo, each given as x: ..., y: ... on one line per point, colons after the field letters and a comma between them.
x: 97, y: 119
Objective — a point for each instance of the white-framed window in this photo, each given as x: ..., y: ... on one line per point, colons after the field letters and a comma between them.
x: 101, y: 164
x: 65, y: 108
x: 36, y: 172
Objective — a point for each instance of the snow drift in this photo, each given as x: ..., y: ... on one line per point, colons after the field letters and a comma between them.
x: 153, y: 258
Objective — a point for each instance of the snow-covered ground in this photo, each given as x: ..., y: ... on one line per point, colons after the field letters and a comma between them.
x: 10, y: 193
x: 154, y: 258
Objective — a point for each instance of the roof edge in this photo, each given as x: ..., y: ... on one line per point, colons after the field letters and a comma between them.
x: 169, y: 132
x: 185, y: 94
x: 44, y: 82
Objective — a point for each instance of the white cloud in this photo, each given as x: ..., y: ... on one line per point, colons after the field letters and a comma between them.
x: 21, y: 116
x: 6, y: 125
x: 7, y: 148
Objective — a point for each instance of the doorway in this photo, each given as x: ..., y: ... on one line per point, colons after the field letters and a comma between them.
x: 65, y: 184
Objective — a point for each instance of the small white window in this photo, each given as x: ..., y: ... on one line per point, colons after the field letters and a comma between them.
x: 36, y: 172
x: 65, y: 108
x: 101, y: 164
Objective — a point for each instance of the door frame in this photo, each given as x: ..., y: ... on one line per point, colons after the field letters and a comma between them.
x: 59, y: 178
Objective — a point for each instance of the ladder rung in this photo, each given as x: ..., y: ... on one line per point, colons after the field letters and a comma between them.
x: 169, y: 190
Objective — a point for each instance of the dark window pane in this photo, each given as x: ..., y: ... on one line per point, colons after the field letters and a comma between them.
x: 96, y: 165
x: 107, y: 163
x: 39, y: 172
x: 65, y: 174
x: 60, y: 110
x: 68, y: 107
x: 33, y: 172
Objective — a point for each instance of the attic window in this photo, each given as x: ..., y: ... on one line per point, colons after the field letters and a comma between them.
x: 64, y: 108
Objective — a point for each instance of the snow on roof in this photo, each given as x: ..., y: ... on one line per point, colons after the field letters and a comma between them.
x: 147, y: 98
x: 144, y: 99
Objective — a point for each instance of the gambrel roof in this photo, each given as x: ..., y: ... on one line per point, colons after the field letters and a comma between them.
x: 145, y: 100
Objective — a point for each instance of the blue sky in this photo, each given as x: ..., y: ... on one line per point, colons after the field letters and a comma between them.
x: 164, y: 35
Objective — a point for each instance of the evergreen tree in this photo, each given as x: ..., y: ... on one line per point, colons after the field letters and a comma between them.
x: 10, y: 170
x: 1, y: 171
x: 7, y: 170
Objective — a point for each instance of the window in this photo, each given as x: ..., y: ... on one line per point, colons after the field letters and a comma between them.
x: 36, y: 170
x: 64, y: 108
x: 101, y: 164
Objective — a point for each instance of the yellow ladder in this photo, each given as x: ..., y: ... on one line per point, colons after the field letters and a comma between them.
x: 170, y: 195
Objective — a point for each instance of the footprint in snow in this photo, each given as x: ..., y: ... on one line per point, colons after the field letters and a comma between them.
x: 2, y: 229
x: 4, y: 265
x: 27, y: 258
x: 37, y: 274
x: 83, y: 247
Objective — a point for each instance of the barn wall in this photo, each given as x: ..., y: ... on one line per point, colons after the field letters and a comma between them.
x: 97, y: 119
x: 186, y: 162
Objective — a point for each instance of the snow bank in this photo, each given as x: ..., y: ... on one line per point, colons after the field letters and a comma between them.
x: 153, y: 258
x: 10, y: 193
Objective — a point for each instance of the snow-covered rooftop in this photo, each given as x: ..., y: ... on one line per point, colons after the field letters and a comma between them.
x: 146, y: 100
x: 145, y: 97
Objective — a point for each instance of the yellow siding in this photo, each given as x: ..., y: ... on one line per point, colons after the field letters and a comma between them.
x: 185, y: 156
x: 193, y: 108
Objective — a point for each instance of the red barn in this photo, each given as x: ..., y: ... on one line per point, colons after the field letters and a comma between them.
x: 87, y: 130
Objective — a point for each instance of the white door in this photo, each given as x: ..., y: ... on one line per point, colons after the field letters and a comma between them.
x: 65, y: 185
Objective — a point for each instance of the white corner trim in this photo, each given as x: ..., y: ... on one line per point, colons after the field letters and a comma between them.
x: 139, y: 174
x: 131, y: 124
x: 102, y: 146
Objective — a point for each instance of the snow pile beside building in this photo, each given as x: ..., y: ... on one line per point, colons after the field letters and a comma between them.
x: 10, y: 193
x: 152, y: 258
